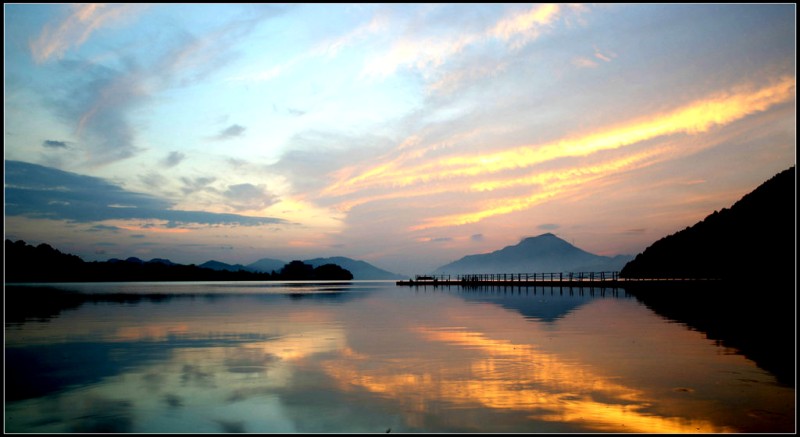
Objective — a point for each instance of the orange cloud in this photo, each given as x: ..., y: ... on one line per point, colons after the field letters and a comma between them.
x: 411, y: 174
x: 516, y: 30
x: 525, y: 26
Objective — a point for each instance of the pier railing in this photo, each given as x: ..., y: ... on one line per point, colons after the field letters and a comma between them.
x: 558, y: 278
x: 520, y: 277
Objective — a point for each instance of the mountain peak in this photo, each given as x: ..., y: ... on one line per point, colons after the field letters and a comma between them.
x: 541, y: 254
x: 542, y: 237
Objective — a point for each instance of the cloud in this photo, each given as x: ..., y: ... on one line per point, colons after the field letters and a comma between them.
x: 635, y: 231
x: 97, y: 101
x: 173, y: 159
x: 603, y: 57
x: 476, y: 237
x: 315, y: 155
x: 584, y: 63
x: 75, y: 29
x: 548, y: 227
x: 197, y: 56
x: 55, y: 144
x: 199, y: 183
x: 542, y: 171
x: 230, y: 132
x: 243, y: 197
x: 153, y: 180
x: 435, y: 239
x: 102, y: 228
x: 99, y: 95
x: 427, y: 53
x: 521, y: 28
x: 42, y: 192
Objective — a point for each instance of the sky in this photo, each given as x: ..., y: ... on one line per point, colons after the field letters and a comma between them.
x: 405, y: 135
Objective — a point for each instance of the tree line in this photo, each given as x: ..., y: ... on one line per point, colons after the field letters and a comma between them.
x: 43, y: 263
x: 752, y: 241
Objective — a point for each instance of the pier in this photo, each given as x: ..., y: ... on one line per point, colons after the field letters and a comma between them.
x: 578, y: 280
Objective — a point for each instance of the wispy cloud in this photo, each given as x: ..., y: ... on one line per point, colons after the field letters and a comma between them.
x: 548, y: 226
x: 98, y: 105
x: 584, y: 62
x: 696, y: 117
x: 101, y: 94
x: 75, y: 29
x: 104, y: 228
x: 425, y: 53
x: 521, y: 28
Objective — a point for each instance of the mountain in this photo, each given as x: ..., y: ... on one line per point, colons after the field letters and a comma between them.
x: 135, y: 260
x: 220, y: 266
x: 162, y: 261
x: 543, y: 254
x: 754, y: 239
x: 266, y: 265
x: 360, y: 269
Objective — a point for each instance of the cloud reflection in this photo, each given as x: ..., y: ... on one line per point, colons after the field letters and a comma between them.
x: 508, y: 376
x: 412, y: 362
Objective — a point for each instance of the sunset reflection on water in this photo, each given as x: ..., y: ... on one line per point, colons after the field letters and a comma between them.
x: 393, y: 359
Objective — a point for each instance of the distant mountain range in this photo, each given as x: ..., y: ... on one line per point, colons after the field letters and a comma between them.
x: 753, y: 240
x: 543, y: 254
x: 221, y: 266
x: 361, y: 270
x: 267, y: 265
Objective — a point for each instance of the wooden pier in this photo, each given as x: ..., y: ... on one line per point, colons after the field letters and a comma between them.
x: 576, y: 280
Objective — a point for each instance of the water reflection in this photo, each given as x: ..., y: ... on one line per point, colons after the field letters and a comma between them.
x: 758, y: 320
x: 385, y: 359
x: 43, y: 302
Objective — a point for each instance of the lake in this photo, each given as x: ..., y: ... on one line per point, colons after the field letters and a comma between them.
x: 369, y: 356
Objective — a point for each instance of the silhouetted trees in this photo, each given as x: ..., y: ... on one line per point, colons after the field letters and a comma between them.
x: 25, y: 263
x: 296, y: 271
x: 332, y: 272
x: 300, y: 271
x: 754, y: 240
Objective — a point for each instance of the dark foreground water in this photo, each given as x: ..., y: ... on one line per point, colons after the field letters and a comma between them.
x: 370, y: 357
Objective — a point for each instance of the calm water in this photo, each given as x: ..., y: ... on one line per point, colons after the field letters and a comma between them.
x: 372, y: 357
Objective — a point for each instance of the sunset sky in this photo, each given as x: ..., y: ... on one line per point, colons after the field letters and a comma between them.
x: 405, y: 135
